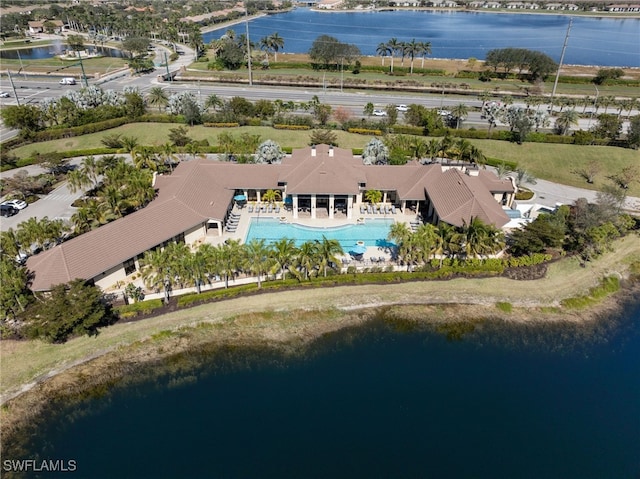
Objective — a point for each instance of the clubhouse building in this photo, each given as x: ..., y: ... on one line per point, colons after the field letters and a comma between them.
x: 316, y: 183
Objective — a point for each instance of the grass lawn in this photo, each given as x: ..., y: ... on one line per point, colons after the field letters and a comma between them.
x: 546, y: 161
x: 157, y: 134
x: 421, y: 76
x: 100, y: 65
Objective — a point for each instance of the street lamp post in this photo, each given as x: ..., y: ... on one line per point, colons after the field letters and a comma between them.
x: 595, y: 107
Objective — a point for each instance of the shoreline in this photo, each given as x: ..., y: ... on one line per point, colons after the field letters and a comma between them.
x: 280, y: 321
x: 477, y: 10
x: 177, y: 355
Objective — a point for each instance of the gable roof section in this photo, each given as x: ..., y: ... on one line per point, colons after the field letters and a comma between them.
x: 339, y: 173
x: 458, y: 197
x: 92, y: 253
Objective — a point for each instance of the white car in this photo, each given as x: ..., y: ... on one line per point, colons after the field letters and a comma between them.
x: 4, y: 94
x: 444, y: 113
x: 17, y: 204
x: 379, y: 113
x: 402, y: 108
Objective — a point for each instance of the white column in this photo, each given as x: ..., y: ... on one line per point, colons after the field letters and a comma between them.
x: 313, y: 206
x: 295, y: 205
x: 258, y: 196
x: 349, y: 207
x: 403, y: 206
x: 384, y: 196
x: 331, y: 206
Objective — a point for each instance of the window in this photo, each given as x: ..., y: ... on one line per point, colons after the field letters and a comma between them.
x: 129, y: 266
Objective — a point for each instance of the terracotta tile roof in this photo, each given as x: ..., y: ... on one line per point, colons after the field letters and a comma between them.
x: 495, y: 184
x: 200, y: 190
x: 458, y: 197
x: 340, y: 173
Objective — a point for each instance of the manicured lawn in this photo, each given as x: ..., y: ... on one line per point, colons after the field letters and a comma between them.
x: 157, y: 134
x: 546, y: 161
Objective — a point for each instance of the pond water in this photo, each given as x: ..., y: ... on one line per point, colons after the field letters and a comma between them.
x: 40, y: 53
x: 592, y: 41
x: 383, y: 400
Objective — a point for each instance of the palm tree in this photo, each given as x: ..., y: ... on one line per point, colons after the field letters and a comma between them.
x: 168, y: 152
x: 477, y: 238
x: 460, y: 112
x: 82, y: 221
x: 271, y: 196
x: 373, y: 196
x: 425, y: 239
x: 425, y: 49
x: 411, y: 49
x: 443, y: 245
x: 76, y: 180
x: 213, y: 101
x: 306, y: 259
x: 144, y: 157
x: 156, y: 270
x: 327, y: 250
x: 157, y: 96
x: 276, y: 42
x: 394, y: 46
x: 258, y: 258
x: 398, y: 233
x: 230, y: 259
x: 265, y: 46
x: 383, y: 50
x: 565, y: 120
x: 283, y: 252
x: 129, y: 143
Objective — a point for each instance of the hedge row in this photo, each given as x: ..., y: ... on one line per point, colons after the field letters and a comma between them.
x: 222, y: 125
x: 281, y: 126
x: 408, y: 130
x: 68, y: 154
x: 449, y: 268
x: 365, y: 131
x: 141, y: 307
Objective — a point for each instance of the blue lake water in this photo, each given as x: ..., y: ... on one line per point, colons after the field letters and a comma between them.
x: 39, y: 53
x: 592, y: 41
x: 373, y: 233
x: 382, y: 401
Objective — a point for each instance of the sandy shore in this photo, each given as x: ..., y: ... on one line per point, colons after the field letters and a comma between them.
x: 34, y: 374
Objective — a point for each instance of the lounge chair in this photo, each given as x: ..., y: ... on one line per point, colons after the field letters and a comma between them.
x: 263, y: 209
x: 393, y: 209
x: 276, y: 209
x: 250, y: 209
x: 270, y: 209
x: 369, y: 209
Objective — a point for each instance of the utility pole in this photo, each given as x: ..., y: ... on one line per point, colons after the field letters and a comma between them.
x: 166, y: 64
x: 564, y: 47
x: 13, y: 87
x: 246, y: 24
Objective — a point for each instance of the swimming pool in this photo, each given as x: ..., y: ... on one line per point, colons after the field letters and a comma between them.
x: 373, y: 232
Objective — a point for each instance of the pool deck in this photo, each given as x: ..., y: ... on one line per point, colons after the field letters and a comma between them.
x: 371, y: 257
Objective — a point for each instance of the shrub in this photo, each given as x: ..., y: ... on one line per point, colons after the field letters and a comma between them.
x: 365, y: 131
x: 504, y: 307
x: 408, y: 130
x: 141, y: 307
x: 291, y: 127
x: 223, y: 125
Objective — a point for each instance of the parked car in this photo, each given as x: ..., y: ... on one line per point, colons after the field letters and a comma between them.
x: 17, y: 204
x: 379, y: 113
x: 402, y: 108
x: 7, y: 210
x: 4, y: 94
